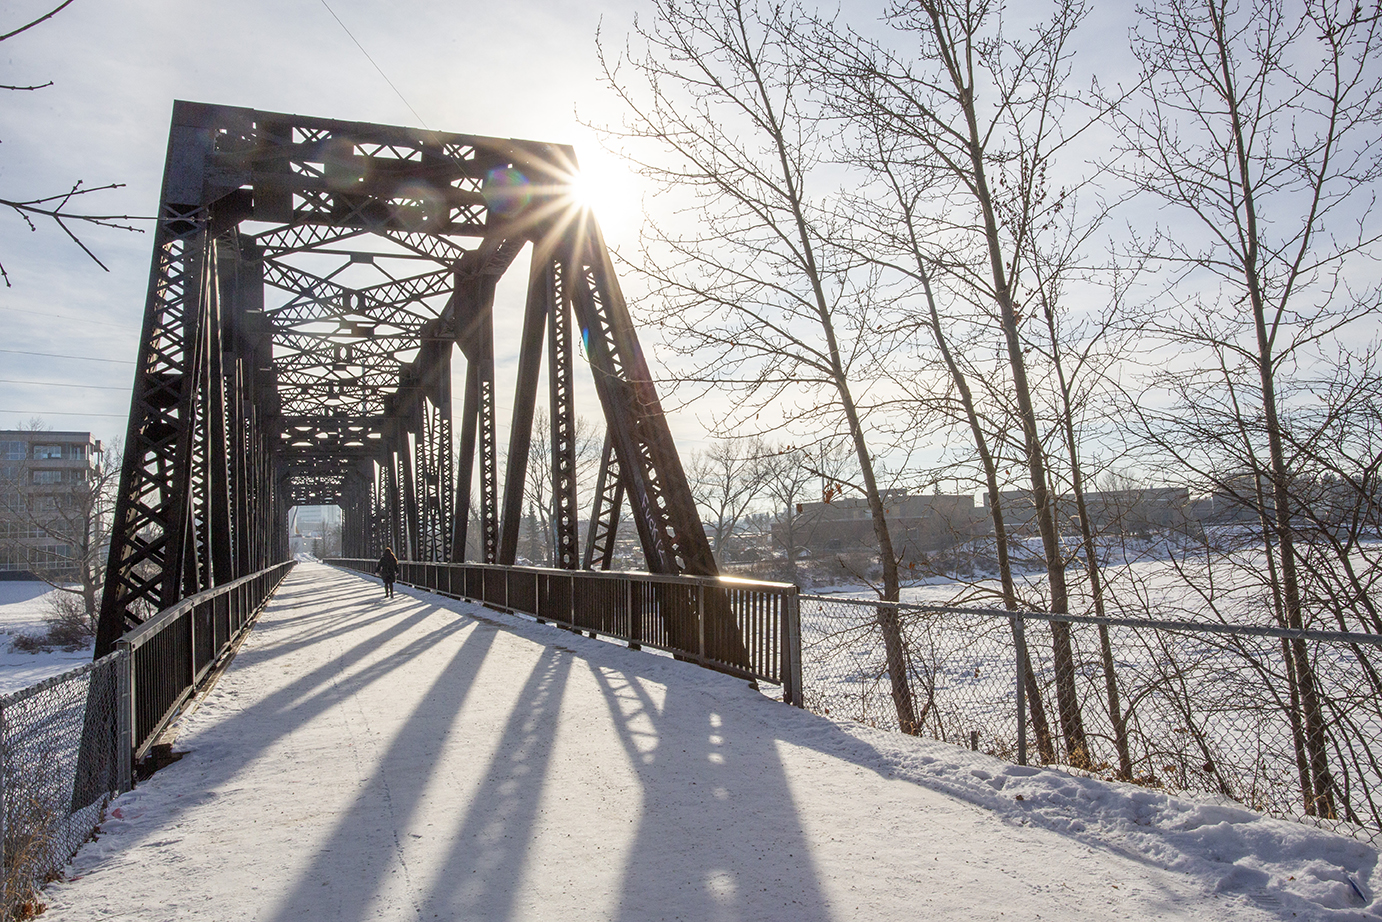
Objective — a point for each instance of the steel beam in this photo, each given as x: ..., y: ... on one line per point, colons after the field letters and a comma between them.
x: 381, y: 254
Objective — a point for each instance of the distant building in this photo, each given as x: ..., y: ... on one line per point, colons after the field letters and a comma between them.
x: 1136, y: 511
x: 45, y: 480
x: 917, y: 524
x: 921, y: 525
x: 314, y: 530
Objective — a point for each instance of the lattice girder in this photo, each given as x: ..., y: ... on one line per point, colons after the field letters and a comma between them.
x: 311, y: 281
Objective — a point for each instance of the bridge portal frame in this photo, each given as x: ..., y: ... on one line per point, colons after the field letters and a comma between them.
x: 239, y: 410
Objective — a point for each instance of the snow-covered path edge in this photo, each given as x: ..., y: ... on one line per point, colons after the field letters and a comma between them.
x: 320, y: 820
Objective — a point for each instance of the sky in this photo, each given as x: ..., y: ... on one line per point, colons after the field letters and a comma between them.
x: 522, y: 70
x: 525, y: 70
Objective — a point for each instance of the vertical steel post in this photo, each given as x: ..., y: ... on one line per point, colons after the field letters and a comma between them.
x: 562, y: 415
x: 124, y: 716
x: 1020, y: 644
x: 699, y: 588
x: 791, y: 650
x: 540, y: 301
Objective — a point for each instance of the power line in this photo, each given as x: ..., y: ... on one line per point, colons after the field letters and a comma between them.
x: 93, y: 387
x: 67, y: 317
x: 54, y: 355
x: 63, y: 413
x: 420, y: 119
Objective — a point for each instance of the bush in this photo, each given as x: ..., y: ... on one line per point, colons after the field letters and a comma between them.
x: 69, y: 627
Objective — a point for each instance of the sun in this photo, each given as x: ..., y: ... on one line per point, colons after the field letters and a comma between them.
x: 583, y: 190
x: 605, y: 187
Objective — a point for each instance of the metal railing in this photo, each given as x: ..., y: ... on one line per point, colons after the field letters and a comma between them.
x: 741, y: 627
x: 69, y: 743
x: 172, y: 652
x: 1202, y: 706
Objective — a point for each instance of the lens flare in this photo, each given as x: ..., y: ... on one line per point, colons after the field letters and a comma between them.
x: 507, y: 191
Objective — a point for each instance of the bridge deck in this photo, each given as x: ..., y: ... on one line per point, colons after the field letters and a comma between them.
x: 426, y: 759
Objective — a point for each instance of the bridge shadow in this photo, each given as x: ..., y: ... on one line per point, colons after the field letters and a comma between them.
x: 719, y: 835
x: 716, y: 833
x: 483, y: 873
x: 357, y: 858
x: 645, y: 789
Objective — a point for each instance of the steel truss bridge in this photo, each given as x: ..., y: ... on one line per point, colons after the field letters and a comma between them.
x: 312, y: 280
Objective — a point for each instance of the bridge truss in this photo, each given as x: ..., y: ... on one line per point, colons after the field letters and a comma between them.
x: 312, y: 280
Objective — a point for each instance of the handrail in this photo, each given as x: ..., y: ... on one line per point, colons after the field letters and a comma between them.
x: 137, y: 637
x: 173, y: 652
x: 740, y: 627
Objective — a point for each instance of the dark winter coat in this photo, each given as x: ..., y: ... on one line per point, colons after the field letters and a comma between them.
x: 387, y: 568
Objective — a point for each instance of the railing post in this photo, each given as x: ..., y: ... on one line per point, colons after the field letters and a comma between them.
x: 191, y: 617
x: 792, y: 692
x: 124, y: 716
x: 700, y: 619
x: 1020, y: 645
x: 635, y: 622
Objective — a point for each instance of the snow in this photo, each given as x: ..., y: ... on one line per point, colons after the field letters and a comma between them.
x: 24, y: 610
x: 424, y: 758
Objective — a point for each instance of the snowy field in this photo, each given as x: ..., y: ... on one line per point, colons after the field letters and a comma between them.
x: 23, y: 609
x: 1204, y: 712
x: 424, y: 758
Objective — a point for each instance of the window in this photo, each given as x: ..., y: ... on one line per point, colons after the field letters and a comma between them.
x: 76, y: 452
x: 47, y: 452
x: 47, y: 476
x: 12, y: 451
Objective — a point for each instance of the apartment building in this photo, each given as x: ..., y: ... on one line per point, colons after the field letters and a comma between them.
x: 45, y: 501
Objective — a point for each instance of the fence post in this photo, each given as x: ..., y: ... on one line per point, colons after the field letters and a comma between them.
x: 635, y: 621
x: 791, y: 654
x: 1020, y: 645
x: 4, y: 808
x: 124, y: 716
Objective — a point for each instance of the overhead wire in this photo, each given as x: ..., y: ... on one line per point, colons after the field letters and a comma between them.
x: 42, y: 413
x: 93, y: 387
x: 109, y: 323
x: 54, y: 355
x: 396, y: 90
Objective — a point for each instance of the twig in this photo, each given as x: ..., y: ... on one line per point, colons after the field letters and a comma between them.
x: 49, y: 15
x: 30, y: 207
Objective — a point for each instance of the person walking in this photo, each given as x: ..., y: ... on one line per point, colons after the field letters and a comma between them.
x: 387, y: 568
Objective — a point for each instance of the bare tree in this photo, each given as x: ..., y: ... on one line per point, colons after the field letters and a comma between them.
x: 1257, y: 126
x: 754, y: 291
x: 56, y: 207
x: 74, y: 515
x: 726, y: 480
x: 538, y: 486
x: 963, y: 135
x: 786, y: 480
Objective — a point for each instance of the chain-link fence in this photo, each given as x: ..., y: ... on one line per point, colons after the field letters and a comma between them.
x: 50, y: 805
x: 1288, y: 723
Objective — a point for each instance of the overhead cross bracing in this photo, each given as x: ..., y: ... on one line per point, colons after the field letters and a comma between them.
x: 312, y: 280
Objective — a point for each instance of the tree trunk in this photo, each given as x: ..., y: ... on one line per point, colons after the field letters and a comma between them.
x: 1041, y: 729
x: 1067, y: 700
x: 1321, y: 801
x: 1096, y: 586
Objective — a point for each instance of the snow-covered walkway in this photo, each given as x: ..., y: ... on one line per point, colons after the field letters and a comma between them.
x: 422, y: 758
